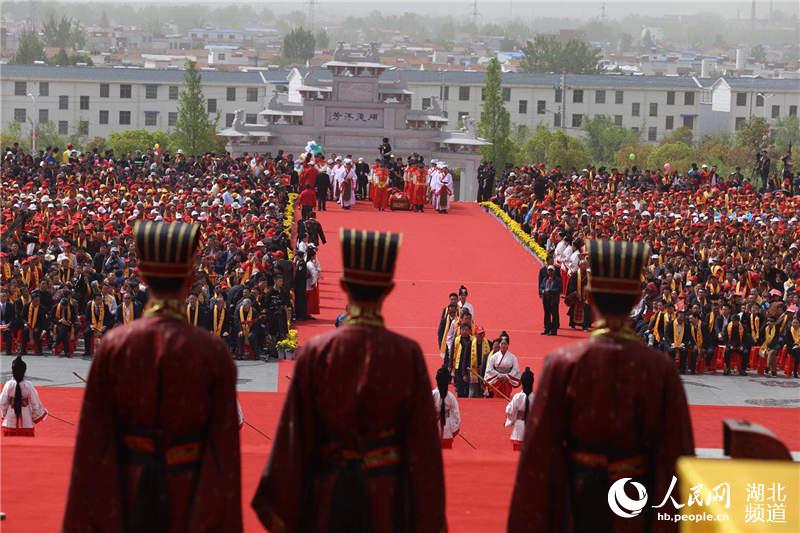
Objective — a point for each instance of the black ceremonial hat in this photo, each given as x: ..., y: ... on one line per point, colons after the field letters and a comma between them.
x: 369, y: 257
x: 617, y: 266
x: 166, y: 250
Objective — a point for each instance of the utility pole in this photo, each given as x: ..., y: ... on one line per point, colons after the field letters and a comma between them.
x: 475, y: 14
x: 312, y: 4
x: 563, y: 86
x: 34, y: 123
x: 603, y: 11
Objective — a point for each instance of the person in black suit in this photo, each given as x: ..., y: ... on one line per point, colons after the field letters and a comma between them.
x: 321, y: 184
x: 65, y: 316
x: 702, y: 342
x: 8, y: 319
x: 35, y: 320
x: 550, y: 289
x: 751, y: 320
x: 197, y: 313
x: 129, y: 310
x: 734, y: 338
x: 678, y: 338
x: 99, y: 320
x: 543, y: 271
x: 300, y: 278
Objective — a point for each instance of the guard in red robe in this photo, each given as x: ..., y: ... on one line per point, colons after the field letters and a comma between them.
x: 357, y: 447
x: 381, y: 199
x: 606, y: 408
x: 158, y: 439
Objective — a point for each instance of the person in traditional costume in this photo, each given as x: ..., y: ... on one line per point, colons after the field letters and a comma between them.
x: 518, y: 409
x: 465, y: 362
x: 502, y: 370
x: 347, y: 182
x: 158, y: 438
x: 463, y: 303
x: 20, y: 406
x: 312, y: 282
x: 381, y: 186
x: 445, y: 405
x: 419, y: 190
x: 585, y: 432
x: 447, y: 333
x: 363, y: 455
x: 480, y: 352
x: 441, y: 188
x: 577, y: 298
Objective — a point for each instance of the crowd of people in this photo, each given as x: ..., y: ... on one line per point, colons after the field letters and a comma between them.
x: 69, y: 271
x: 389, y: 183
x: 721, y: 287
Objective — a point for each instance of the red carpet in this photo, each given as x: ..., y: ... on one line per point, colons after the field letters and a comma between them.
x: 439, y: 253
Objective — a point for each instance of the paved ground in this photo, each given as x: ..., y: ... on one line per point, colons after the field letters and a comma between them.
x: 260, y: 376
x: 44, y: 371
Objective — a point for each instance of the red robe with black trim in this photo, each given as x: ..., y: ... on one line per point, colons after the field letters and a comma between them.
x: 197, y: 396
x: 355, y: 383
x: 606, y: 395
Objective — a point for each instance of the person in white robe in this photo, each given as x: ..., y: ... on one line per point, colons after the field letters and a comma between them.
x: 347, y: 193
x: 20, y: 406
x: 448, y: 418
x: 502, y: 370
x: 463, y: 303
x: 335, y: 175
x: 442, y: 188
x: 519, y: 408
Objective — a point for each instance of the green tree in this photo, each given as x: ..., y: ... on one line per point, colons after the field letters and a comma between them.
x: 298, y: 46
x: 604, y: 138
x: 47, y: 135
x: 13, y: 134
x: 29, y: 49
x: 547, y: 54
x: 321, y: 39
x: 567, y: 152
x: 681, y: 135
x: 195, y: 132
x: 679, y: 155
x: 532, y: 147
x: 753, y: 134
x: 133, y: 141
x: 786, y: 132
x: 99, y: 143
x: 759, y: 53
x: 495, y: 122
x: 63, y: 33
x: 640, y: 154
x: 61, y: 59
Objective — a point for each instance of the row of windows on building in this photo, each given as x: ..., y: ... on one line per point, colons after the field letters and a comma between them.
x: 541, y: 107
x: 124, y: 118
x: 577, y: 95
x: 126, y: 91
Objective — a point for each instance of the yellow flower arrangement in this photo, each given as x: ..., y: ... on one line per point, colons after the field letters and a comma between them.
x: 291, y: 342
x: 516, y: 229
x: 288, y: 220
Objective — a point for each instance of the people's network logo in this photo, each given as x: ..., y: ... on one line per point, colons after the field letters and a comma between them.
x: 621, y: 504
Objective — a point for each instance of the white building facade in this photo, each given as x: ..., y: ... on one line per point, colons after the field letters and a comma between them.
x: 98, y: 100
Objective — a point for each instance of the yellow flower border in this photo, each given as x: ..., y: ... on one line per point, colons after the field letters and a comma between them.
x: 516, y: 229
x: 288, y: 221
